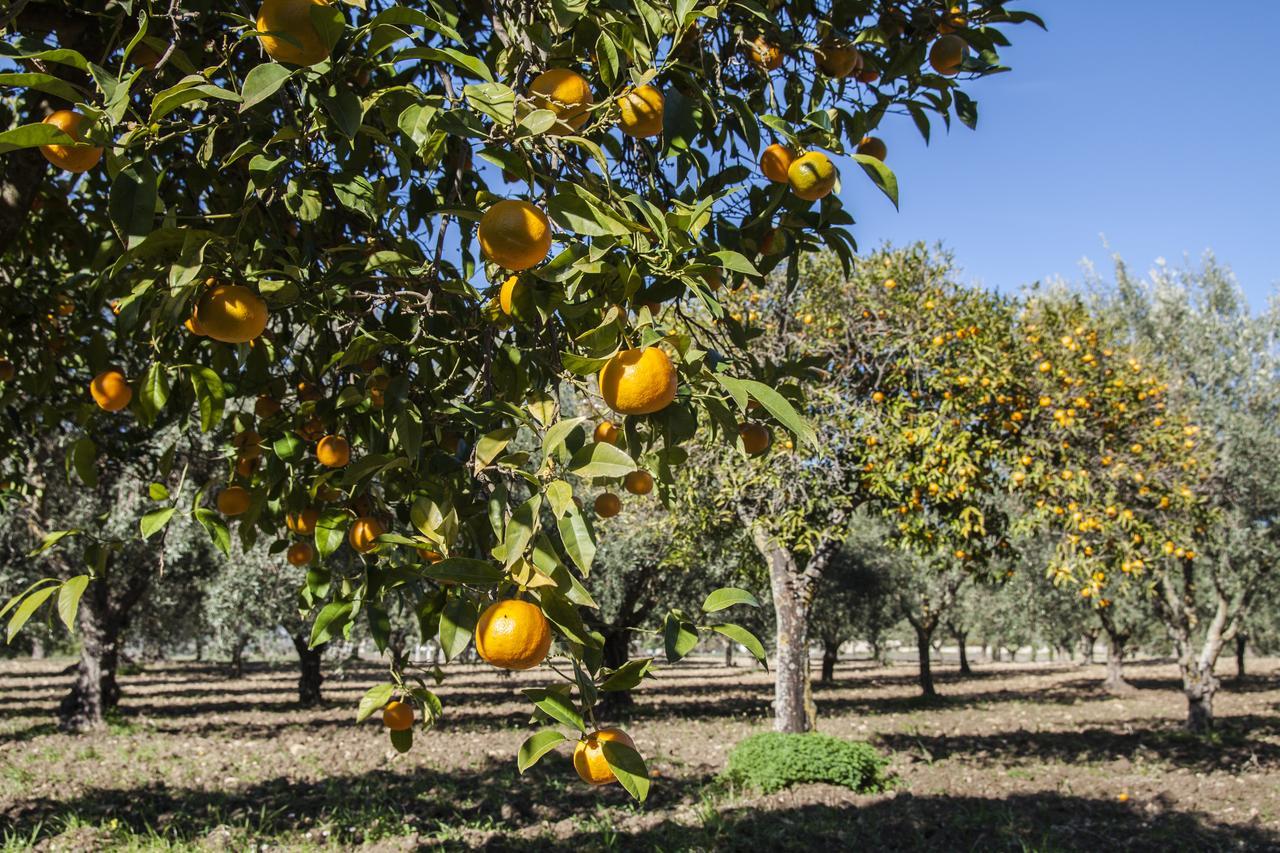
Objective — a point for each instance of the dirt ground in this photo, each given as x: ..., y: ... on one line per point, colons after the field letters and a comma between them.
x: 1017, y: 757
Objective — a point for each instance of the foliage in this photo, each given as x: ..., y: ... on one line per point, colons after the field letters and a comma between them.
x: 771, y: 761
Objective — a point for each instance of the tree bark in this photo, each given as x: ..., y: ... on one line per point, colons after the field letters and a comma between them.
x: 617, y: 648
x: 1242, y: 643
x: 923, y: 635
x: 830, y: 654
x: 728, y: 652
x: 1114, y: 682
x: 37, y: 648
x: 1086, y: 648
x: 310, y: 677
x: 962, y: 639
x: 95, y: 691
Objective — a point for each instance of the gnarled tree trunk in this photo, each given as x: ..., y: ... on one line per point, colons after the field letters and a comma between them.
x: 728, y: 652
x: 310, y: 676
x: 95, y: 691
x: 924, y: 634
x: 962, y: 641
x: 1242, y: 643
x: 617, y: 648
x: 1114, y: 682
x: 830, y: 655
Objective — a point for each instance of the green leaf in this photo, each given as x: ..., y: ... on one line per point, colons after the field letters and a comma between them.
x: 679, y: 636
x: 520, y: 529
x: 154, y: 391
x: 628, y: 676
x: 457, y: 624
x: 494, y: 100
x: 333, y: 617
x: 774, y: 403
x: 582, y: 365
x: 288, y: 447
x: 374, y: 699
x: 133, y: 203
x: 628, y: 766
x: 402, y: 740
x: 153, y: 522
x: 13, y: 602
x: 158, y: 492
x: 555, y: 705
x: 43, y: 83
x: 69, y: 599
x: 50, y: 540
x: 600, y: 459
x: 84, y: 458
x: 210, y: 395
x: 216, y: 527
x: 558, y: 433
x: 741, y: 635
x: 331, y: 530
x: 537, y: 745
x: 735, y: 262
x: 491, y: 445
x: 561, y: 612
x: 576, y: 536
x: 727, y: 597
x: 881, y: 175
x: 465, y: 570
x: 32, y: 136
x: 261, y: 83
x: 29, y: 606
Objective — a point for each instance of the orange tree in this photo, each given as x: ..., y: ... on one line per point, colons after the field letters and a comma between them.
x: 1110, y: 465
x: 362, y: 245
x: 904, y: 376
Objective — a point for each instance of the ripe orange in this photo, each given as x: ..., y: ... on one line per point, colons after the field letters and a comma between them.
x: 756, y: 438
x: 764, y: 55
x: 947, y: 55
x: 608, y: 505
x: 70, y: 158
x: 300, y: 553
x: 873, y: 146
x: 429, y: 555
x: 515, y: 235
x: 8, y: 371
x: 513, y: 634
x: 713, y: 279
x: 837, y: 58
x: 566, y: 93
x: 364, y: 533
x: 642, y: 111
x: 248, y: 443
x: 231, y: 313
x: 606, y: 432
x: 398, y: 716
x: 774, y: 162
x: 291, y: 18
x: 233, y: 500
x: 309, y: 392
x: 638, y: 482
x: 588, y: 755
x: 303, y: 523
x: 312, y: 430
x: 333, y: 451
x: 953, y: 19
x: 638, y: 381
x: 193, y: 326
x: 812, y: 176
x: 111, y: 390
x: 514, y: 293
x: 246, y: 466
x: 266, y: 406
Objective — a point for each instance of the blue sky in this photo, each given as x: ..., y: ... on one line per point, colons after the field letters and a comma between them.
x: 1140, y: 121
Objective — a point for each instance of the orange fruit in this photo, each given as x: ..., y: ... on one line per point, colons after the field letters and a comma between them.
x: 8, y: 371
x: 300, y: 553
x: 642, y: 111
x: 638, y: 482
x: 588, y: 755
x: 333, y: 451
x: 606, y: 433
x: 513, y: 634
x: 303, y: 523
x: 774, y: 162
x: 873, y: 146
x: 947, y: 55
x: 193, y: 326
x: 248, y: 443
x: 812, y: 176
x: 71, y: 158
x: 309, y: 392
x: 291, y: 18
x: 638, y: 381
x: 266, y: 406
x: 756, y: 438
x: 869, y: 73
x: 513, y: 291
x: 231, y: 313
x: 953, y: 19
x: 246, y: 466
x: 398, y: 716
x: 312, y: 430
x: 429, y: 555
x: 515, y: 235
x: 111, y: 390
x: 364, y: 533
x: 714, y: 280
x: 233, y: 500
x: 764, y: 55
x: 837, y: 58
x: 608, y: 505
x: 566, y: 93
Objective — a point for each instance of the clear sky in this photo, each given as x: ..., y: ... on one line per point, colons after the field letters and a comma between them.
x: 1141, y: 127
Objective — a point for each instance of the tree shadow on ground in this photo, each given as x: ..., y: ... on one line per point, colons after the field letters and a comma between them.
x: 1237, y: 742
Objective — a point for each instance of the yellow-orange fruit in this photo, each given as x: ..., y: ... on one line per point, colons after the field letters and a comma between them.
x: 333, y: 451
x: 837, y: 58
x: 764, y: 55
x: 642, y: 110
x: 947, y: 55
x: 300, y: 553
x: 111, y: 390
x: 638, y: 381
x: 774, y: 162
x: 71, y: 158
x: 756, y: 438
x: 873, y: 146
x: 812, y: 176
x: 266, y: 406
x: 608, y: 505
x: 8, y: 371
x: 231, y: 313
x: 513, y: 634
x: 303, y: 523
x: 364, y: 533
x: 298, y: 42
x: 588, y: 756
x: 515, y: 235
x: 638, y: 482
x: 398, y: 716
x: 233, y: 500
x: 566, y: 93
x: 606, y: 432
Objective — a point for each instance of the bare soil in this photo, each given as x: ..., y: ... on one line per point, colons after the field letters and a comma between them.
x: 1016, y: 757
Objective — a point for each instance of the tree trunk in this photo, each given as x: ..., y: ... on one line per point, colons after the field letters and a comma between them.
x: 1199, y: 685
x: 1087, y: 641
x: 237, y: 657
x: 791, y: 695
x: 1114, y: 682
x: 95, y: 690
x: 199, y: 648
x: 728, y: 652
x: 310, y: 676
x: 830, y: 654
x: 1242, y: 643
x: 962, y: 639
x: 617, y: 648
x: 923, y: 635
x: 37, y: 648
